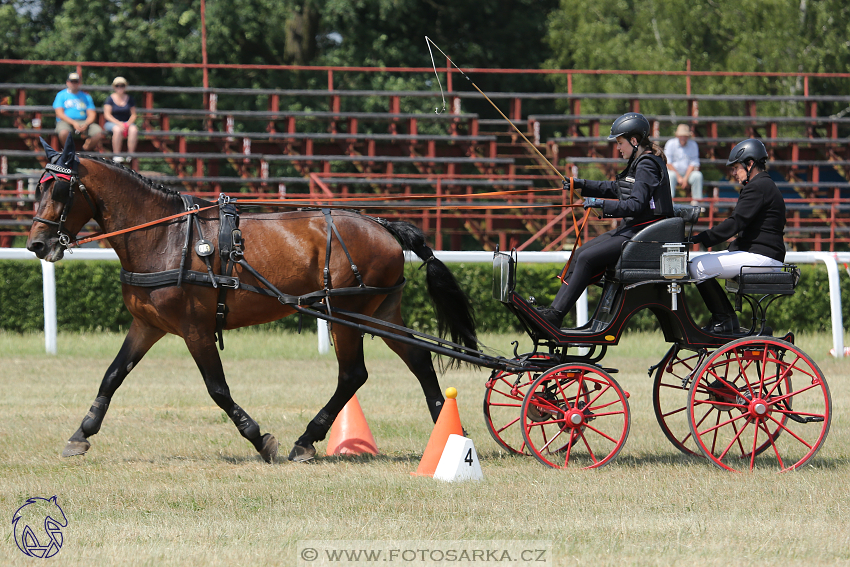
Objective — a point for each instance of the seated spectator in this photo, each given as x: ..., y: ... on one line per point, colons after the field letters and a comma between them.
x: 683, y: 163
x: 119, y: 110
x: 75, y: 113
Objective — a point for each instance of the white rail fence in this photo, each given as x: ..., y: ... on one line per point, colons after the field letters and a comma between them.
x: 829, y: 259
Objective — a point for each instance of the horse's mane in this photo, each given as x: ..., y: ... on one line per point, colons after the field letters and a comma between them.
x: 146, y: 181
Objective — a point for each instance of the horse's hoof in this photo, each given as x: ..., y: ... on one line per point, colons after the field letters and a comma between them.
x: 74, y: 448
x: 269, y: 450
x: 301, y: 454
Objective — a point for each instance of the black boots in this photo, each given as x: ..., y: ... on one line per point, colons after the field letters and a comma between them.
x: 551, y: 315
x: 723, y: 317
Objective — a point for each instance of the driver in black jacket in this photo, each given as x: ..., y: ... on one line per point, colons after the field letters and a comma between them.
x: 759, y: 222
x: 640, y: 196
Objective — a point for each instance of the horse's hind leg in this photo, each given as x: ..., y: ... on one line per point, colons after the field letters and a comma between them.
x: 209, y: 363
x: 352, y: 374
x: 139, y: 340
x: 417, y: 360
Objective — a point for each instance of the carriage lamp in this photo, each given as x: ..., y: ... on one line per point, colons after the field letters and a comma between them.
x: 674, y: 261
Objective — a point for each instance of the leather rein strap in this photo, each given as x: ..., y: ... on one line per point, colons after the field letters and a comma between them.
x: 579, y: 231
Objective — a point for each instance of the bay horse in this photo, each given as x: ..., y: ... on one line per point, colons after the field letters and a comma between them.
x: 288, y: 249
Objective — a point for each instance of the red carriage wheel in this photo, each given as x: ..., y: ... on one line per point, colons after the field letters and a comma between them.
x: 503, y: 395
x: 759, y: 402
x: 575, y: 415
x: 670, y: 397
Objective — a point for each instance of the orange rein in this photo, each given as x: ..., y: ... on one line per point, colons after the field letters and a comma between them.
x: 316, y: 202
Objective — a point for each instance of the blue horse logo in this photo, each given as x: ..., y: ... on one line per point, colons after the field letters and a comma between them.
x: 38, y: 527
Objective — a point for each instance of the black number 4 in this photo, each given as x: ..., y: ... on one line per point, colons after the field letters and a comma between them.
x: 468, y: 457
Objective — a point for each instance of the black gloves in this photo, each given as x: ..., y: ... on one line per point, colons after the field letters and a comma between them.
x: 577, y: 183
x: 592, y: 202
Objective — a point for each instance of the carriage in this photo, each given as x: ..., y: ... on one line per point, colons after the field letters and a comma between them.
x: 753, y: 401
x: 743, y: 401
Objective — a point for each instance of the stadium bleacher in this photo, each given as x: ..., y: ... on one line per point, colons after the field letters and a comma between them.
x: 259, y: 147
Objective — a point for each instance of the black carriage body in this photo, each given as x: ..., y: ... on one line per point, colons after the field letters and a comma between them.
x: 637, y: 282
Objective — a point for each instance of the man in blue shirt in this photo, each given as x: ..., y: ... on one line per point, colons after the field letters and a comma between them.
x: 75, y: 113
x: 683, y: 163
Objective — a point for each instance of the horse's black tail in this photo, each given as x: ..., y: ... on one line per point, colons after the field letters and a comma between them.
x: 455, y: 317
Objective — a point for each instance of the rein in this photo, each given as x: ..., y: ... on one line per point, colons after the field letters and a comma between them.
x: 292, y: 203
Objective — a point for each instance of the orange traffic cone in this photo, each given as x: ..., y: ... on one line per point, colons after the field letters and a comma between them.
x: 447, y: 423
x: 350, y: 434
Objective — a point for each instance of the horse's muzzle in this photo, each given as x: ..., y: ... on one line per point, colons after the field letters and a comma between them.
x: 48, y: 250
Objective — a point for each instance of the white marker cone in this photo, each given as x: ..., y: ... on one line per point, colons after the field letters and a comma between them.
x: 459, y: 461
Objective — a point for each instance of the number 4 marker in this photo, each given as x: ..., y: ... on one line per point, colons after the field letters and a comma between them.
x: 459, y: 461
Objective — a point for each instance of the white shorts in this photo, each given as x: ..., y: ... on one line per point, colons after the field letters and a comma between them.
x: 726, y: 265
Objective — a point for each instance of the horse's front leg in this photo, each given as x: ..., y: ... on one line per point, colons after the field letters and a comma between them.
x: 203, y: 349
x: 138, y: 341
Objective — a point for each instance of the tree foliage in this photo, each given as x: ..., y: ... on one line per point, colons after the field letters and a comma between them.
x: 715, y: 35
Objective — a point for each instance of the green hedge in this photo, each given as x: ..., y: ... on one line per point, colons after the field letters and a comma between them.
x: 88, y: 298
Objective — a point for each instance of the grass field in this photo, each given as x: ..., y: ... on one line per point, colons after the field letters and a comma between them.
x: 169, y: 481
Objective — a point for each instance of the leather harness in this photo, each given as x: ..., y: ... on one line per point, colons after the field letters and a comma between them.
x: 231, y: 252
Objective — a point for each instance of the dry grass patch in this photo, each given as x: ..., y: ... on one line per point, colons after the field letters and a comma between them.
x: 170, y: 482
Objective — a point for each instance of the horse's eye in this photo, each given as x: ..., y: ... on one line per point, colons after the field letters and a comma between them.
x: 38, y: 193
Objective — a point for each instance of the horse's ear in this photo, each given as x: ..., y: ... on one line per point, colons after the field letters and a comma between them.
x: 68, y: 154
x: 48, y: 149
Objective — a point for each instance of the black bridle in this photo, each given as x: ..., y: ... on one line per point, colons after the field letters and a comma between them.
x: 65, y: 180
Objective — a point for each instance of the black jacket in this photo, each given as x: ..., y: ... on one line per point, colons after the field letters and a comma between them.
x: 758, y: 220
x: 649, y: 199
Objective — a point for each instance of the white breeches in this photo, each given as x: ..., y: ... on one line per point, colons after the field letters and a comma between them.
x: 727, y: 265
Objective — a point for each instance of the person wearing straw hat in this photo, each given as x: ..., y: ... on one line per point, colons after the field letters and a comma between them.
x: 119, y: 110
x: 75, y: 113
x: 683, y: 163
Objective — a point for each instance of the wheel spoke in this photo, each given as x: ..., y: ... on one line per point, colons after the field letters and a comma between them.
x: 792, y: 394
x: 509, y: 424
x: 674, y: 412
x: 589, y: 450
x: 569, y: 448
x: 719, y: 425
x: 740, y: 445
x: 737, y: 436
x: 773, y: 445
x: 605, y: 435
x: 546, y: 446
x: 755, y: 444
x: 791, y: 433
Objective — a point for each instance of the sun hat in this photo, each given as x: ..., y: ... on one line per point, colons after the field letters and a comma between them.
x: 683, y: 130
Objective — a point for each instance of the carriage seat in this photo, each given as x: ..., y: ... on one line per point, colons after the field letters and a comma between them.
x: 689, y: 214
x: 765, y: 283
x: 641, y: 256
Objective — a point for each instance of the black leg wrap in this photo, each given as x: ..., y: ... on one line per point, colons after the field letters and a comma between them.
x: 317, y: 429
x: 94, y: 417
x: 435, y: 406
x: 247, y: 427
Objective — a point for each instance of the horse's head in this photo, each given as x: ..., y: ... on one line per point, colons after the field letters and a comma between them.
x: 59, y: 216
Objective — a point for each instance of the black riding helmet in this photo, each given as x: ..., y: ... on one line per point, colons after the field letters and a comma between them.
x: 630, y: 125
x: 748, y: 153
